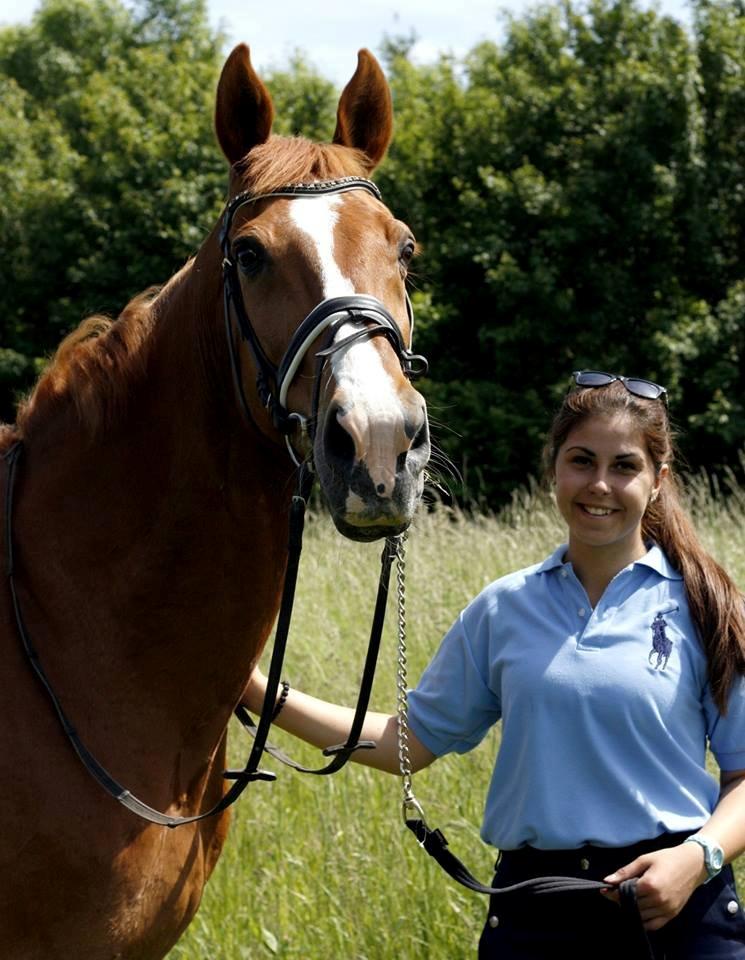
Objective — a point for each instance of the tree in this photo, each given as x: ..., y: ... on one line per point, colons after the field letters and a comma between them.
x: 112, y: 176
x: 563, y: 198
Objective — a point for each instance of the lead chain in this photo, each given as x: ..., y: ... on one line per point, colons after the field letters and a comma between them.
x: 404, y: 759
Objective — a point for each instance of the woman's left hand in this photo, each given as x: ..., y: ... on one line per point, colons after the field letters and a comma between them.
x: 667, y: 878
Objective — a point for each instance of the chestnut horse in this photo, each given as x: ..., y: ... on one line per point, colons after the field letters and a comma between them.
x: 150, y: 525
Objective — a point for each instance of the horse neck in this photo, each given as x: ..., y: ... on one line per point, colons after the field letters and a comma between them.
x: 152, y: 557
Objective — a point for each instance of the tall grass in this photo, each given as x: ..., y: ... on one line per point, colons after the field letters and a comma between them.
x: 319, y: 868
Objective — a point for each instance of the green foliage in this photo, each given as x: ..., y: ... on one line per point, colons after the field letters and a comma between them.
x: 304, y: 102
x: 569, y: 188
x: 110, y: 175
x: 577, y: 191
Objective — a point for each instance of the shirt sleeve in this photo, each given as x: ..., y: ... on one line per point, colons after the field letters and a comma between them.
x: 727, y: 733
x: 452, y: 707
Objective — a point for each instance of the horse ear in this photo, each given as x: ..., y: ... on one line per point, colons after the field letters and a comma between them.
x: 365, y: 116
x: 244, y: 111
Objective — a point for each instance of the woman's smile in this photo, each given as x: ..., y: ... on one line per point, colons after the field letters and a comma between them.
x: 605, y: 479
x: 596, y: 511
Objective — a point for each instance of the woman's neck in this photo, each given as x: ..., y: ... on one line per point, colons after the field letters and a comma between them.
x: 595, y: 567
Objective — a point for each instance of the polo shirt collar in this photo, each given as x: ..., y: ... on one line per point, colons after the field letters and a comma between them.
x: 555, y: 560
x: 654, y: 558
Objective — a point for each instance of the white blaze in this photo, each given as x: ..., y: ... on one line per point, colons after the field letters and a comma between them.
x: 317, y: 217
x: 373, y: 416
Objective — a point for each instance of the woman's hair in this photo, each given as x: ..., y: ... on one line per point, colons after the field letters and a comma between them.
x: 716, y: 604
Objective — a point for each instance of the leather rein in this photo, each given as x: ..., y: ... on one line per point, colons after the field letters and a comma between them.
x: 272, y: 384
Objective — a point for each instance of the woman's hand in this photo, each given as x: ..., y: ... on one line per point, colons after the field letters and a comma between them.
x: 667, y: 878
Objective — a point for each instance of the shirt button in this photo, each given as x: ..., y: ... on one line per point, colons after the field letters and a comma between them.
x: 493, y: 921
x: 732, y: 907
x: 581, y: 611
x: 584, y: 863
x: 565, y: 574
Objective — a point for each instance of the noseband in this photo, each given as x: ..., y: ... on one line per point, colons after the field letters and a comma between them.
x: 273, y: 382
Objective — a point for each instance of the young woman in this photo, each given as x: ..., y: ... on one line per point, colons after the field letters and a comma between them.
x: 611, y: 665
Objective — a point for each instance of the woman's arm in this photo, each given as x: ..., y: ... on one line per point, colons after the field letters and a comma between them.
x: 325, y: 724
x: 667, y: 878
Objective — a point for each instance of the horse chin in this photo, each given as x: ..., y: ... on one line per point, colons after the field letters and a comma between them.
x: 368, y: 532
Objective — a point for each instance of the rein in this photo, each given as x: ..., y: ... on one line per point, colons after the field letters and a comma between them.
x: 251, y: 770
x: 434, y: 841
x: 273, y: 384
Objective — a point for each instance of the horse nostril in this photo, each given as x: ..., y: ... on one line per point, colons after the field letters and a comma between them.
x: 421, y: 438
x: 339, y: 444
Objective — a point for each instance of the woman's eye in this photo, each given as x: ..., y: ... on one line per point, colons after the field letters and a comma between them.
x: 580, y: 460
x: 250, y: 256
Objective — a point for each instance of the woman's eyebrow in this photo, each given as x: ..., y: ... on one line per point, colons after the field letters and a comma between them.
x: 591, y: 453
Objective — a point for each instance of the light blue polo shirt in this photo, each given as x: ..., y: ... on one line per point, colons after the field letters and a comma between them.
x: 605, y: 713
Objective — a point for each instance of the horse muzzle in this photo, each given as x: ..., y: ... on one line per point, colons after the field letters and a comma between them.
x: 371, y: 468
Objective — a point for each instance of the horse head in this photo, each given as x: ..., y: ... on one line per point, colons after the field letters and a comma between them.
x: 315, y: 269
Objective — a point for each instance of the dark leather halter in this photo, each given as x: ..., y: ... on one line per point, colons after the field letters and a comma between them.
x: 273, y: 382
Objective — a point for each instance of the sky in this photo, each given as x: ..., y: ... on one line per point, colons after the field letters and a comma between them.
x: 330, y: 32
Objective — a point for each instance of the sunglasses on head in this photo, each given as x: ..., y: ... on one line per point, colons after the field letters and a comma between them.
x: 640, y: 388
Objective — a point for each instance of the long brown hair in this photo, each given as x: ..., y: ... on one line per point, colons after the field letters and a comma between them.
x: 717, y: 606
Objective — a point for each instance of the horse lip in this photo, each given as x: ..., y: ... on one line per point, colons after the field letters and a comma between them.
x: 368, y: 532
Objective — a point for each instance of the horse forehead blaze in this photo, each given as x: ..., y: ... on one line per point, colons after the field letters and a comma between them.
x: 316, y: 218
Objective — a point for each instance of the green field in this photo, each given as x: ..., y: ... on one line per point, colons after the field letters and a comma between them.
x: 318, y: 868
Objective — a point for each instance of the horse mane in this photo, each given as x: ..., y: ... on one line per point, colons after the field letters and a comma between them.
x: 93, y: 368
x: 287, y: 160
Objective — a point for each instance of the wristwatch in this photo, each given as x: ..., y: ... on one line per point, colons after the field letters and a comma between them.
x: 713, y: 855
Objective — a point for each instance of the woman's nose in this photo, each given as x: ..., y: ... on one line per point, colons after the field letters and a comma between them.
x: 599, y: 484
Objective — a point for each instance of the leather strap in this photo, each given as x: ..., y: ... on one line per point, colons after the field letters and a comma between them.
x: 434, y: 842
x: 341, y: 752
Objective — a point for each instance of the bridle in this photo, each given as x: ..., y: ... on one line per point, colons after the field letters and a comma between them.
x: 273, y: 382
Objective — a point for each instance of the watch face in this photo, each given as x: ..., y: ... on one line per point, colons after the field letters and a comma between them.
x: 717, y: 857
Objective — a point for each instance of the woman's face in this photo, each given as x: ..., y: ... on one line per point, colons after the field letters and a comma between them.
x: 605, y: 479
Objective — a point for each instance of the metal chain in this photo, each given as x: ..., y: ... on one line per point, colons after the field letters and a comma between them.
x: 404, y: 759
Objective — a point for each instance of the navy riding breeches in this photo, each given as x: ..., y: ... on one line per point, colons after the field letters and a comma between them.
x: 587, y: 926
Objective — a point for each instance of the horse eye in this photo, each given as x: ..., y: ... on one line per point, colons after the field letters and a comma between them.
x: 250, y: 256
x: 407, y: 252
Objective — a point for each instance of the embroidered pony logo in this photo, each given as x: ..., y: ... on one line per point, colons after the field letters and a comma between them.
x: 662, y: 646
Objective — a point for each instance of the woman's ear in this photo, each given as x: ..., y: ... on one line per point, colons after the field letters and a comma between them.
x: 661, y: 476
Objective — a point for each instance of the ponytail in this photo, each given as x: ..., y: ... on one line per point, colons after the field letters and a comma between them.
x: 716, y: 605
